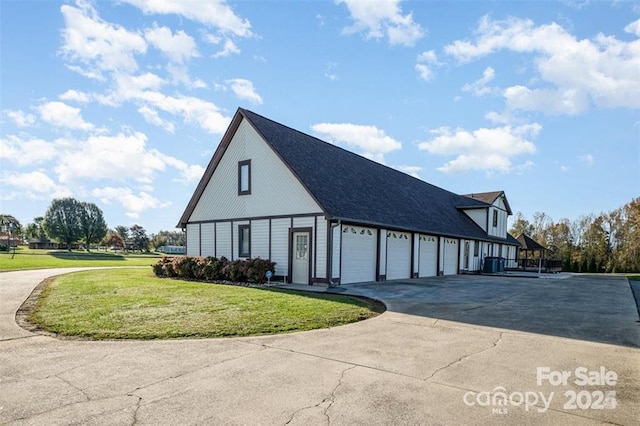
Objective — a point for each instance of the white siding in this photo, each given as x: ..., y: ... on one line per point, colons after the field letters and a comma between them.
x: 280, y: 245
x: 398, y: 255
x: 223, y: 240
x: 321, y: 248
x: 207, y: 240
x: 501, y: 229
x: 274, y: 189
x: 479, y: 216
x: 383, y: 252
x: 193, y: 239
x: 358, y: 254
x: 335, y: 251
x: 260, y: 239
x: 303, y: 222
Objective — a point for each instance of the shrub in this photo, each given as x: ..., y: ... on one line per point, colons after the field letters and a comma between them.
x: 214, y: 269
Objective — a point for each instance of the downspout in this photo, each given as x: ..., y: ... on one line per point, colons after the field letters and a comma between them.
x: 330, y: 260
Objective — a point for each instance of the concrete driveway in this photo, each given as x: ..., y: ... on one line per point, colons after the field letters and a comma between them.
x: 456, y: 350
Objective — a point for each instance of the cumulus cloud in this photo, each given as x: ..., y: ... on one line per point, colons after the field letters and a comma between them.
x: 479, y: 87
x: 214, y: 13
x: 26, y: 152
x: 244, y: 90
x: 178, y: 47
x: 228, y: 48
x: 133, y: 203
x: 426, y: 62
x: 410, y: 170
x: 20, y: 118
x: 370, y: 141
x: 587, y: 159
x: 151, y: 116
x: 33, y: 185
x: 98, y: 45
x: 60, y: 114
x: 383, y: 18
x: 75, y: 96
x: 574, y: 73
x: 484, y: 149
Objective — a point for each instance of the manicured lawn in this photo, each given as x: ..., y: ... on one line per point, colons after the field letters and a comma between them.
x: 134, y: 304
x: 40, y: 259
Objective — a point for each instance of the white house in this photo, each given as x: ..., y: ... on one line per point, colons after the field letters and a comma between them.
x: 324, y: 214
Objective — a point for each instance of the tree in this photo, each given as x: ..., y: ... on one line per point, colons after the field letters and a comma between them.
x: 113, y: 239
x: 62, y: 220
x: 12, y: 227
x: 35, y: 229
x: 521, y: 226
x: 123, y: 231
x: 94, y: 228
x: 139, y: 238
x: 167, y: 238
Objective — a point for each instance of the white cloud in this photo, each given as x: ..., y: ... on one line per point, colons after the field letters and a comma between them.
x: 575, y: 73
x: 330, y: 71
x: 244, y: 90
x: 479, y: 87
x: 482, y: 149
x: 60, y: 114
x: 633, y: 28
x: 20, y: 118
x: 33, y: 185
x: 30, y: 152
x: 180, y: 74
x: 382, y: 18
x: 74, y: 96
x: 425, y: 63
x: 587, y: 159
x: 410, y: 170
x: 179, y: 47
x: 229, y: 48
x: 151, y: 116
x: 215, y: 13
x: 96, y: 44
x: 372, y: 142
x: 134, y: 204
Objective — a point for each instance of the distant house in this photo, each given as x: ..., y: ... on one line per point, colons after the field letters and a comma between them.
x: 47, y: 244
x: 325, y: 214
x: 172, y: 249
x: 7, y: 240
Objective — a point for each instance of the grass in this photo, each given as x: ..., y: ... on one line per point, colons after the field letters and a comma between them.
x: 134, y: 304
x: 41, y: 259
x: 633, y: 277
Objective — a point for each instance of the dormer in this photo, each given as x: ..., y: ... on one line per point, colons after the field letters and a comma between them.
x: 492, y: 215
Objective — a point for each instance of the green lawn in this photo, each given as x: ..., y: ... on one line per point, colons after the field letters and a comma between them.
x: 40, y: 259
x: 634, y: 277
x: 134, y: 304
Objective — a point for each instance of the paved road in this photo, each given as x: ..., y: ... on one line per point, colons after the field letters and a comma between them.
x: 444, y: 345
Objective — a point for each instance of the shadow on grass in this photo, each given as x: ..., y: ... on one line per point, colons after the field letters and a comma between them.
x: 355, y: 300
x: 86, y: 256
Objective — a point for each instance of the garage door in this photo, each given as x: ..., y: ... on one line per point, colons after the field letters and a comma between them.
x: 358, y: 254
x: 428, y: 259
x: 450, y: 256
x: 398, y: 255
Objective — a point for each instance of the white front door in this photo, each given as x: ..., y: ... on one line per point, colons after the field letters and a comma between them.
x: 300, y: 261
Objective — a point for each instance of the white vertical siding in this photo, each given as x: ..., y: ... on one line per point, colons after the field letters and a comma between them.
x: 260, y: 238
x: 479, y: 216
x: 501, y: 229
x: 280, y: 245
x: 321, y: 248
x: 383, y: 252
x: 207, y: 240
x: 274, y: 189
x: 335, y: 251
x: 223, y: 239
x: 416, y: 255
x: 193, y: 239
x: 303, y: 222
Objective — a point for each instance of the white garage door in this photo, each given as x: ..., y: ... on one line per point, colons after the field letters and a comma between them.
x: 428, y: 259
x: 358, y: 254
x: 450, y: 256
x: 398, y: 255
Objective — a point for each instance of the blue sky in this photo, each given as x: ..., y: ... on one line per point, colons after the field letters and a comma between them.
x: 123, y: 103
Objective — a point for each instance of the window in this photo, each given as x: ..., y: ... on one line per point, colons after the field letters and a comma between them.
x: 476, y: 249
x: 244, y: 177
x: 244, y: 241
x: 495, y: 218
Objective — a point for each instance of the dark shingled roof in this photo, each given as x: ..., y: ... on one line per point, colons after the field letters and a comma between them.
x: 352, y: 188
x: 527, y: 243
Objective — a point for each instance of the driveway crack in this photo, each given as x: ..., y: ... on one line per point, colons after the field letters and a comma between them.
x: 462, y: 358
x: 331, y: 398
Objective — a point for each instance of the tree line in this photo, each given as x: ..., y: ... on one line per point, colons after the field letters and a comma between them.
x: 70, y: 221
x: 608, y: 242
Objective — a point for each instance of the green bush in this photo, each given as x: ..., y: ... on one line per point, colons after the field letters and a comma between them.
x: 213, y: 269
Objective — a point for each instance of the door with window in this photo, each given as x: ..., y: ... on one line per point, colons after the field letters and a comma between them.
x: 300, y: 257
